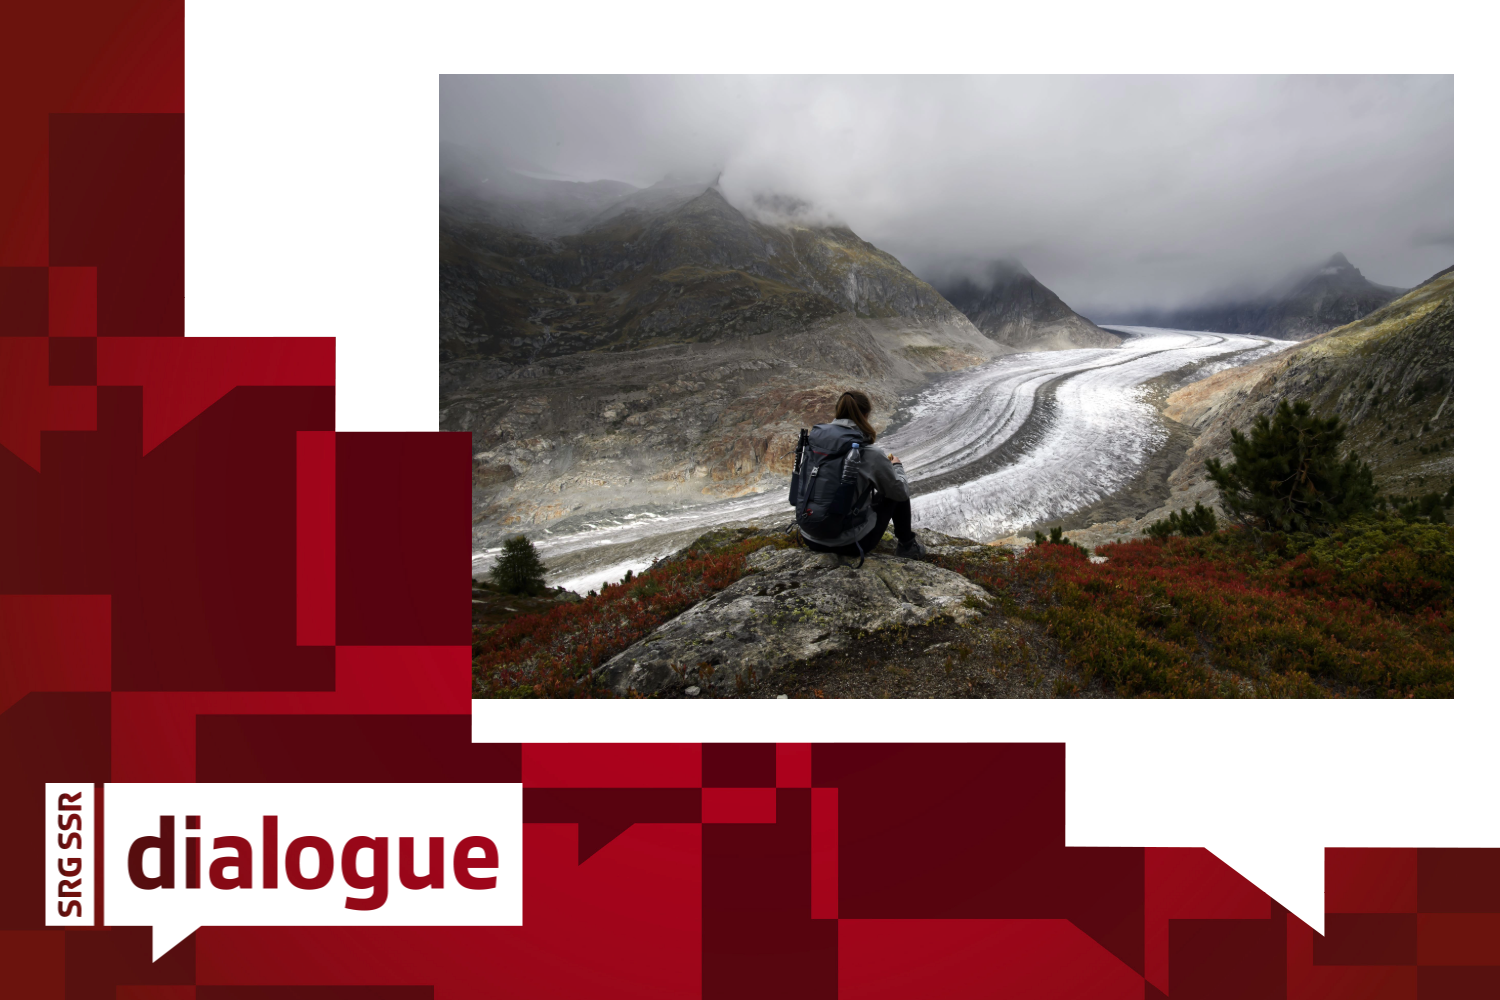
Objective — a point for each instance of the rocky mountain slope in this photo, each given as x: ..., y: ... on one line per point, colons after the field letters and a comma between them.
x: 1327, y: 296
x: 668, y: 351
x: 695, y: 271
x: 1388, y: 376
x: 1020, y: 312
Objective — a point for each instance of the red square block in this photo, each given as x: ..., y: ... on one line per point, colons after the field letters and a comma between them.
x: 612, y: 765
x: 72, y: 301
x: 317, y: 555
x: 794, y: 765
x: 1458, y: 939
x: 739, y: 805
x: 825, y: 853
x: 1370, y: 880
x: 53, y: 642
x: 32, y: 963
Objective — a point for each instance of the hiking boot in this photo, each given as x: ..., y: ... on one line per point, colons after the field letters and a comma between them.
x: 912, y: 548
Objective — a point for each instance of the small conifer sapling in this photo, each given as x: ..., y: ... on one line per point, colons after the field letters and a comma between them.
x: 519, y: 569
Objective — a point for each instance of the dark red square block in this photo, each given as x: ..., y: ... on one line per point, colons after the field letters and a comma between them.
x: 349, y: 748
x: 1457, y: 982
x: 402, y: 563
x: 948, y: 830
x: 739, y: 765
x: 1458, y: 880
x: 1367, y: 939
x: 72, y: 361
x: 23, y: 302
x: 1228, y: 959
x: 114, y: 202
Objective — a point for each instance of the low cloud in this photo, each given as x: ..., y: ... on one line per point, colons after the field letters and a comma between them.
x: 1118, y: 192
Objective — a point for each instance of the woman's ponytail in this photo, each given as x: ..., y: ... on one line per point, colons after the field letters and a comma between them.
x: 855, y: 405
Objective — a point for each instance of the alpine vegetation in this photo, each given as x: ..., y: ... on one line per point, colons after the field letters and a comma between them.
x: 1288, y: 476
x: 1200, y: 520
x: 519, y: 569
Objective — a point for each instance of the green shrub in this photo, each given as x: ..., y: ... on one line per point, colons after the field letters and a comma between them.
x: 1429, y: 506
x: 1366, y: 610
x: 1200, y: 520
x: 1404, y: 565
x: 519, y: 569
x: 1287, y: 476
x: 1056, y: 538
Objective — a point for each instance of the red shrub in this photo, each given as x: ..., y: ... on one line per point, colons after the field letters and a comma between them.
x: 1214, y: 616
x: 553, y: 654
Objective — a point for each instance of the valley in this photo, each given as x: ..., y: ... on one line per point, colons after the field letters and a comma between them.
x: 634, y: 365
x: 1015, y: 442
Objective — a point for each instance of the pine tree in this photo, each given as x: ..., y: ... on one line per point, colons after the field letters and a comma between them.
x: 1187, y: 523
x: 519, y: 569
x: 1287, y: 475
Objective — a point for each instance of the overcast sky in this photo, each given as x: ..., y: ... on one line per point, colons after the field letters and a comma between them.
x: 1116, y: 192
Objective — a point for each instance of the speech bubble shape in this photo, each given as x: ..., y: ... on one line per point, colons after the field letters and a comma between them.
x: 355, y: 855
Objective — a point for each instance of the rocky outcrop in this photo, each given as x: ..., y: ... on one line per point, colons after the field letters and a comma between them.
x: 1022, y: 313
x: 792, y: 605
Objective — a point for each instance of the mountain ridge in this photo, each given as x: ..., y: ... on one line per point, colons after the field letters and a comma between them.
x: 1322, y: 298
x: 1019, y: 311
x: 1388, y: 376
x: 694, y: 270
x: 668, y: 351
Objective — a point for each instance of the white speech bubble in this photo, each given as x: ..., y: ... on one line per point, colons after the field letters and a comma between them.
x: 335, y: 815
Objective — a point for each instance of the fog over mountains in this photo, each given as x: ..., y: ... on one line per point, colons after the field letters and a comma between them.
x: 534, y: 268
x: 540, y: 267
x: 1321, y: 298
x: 1120, y: 194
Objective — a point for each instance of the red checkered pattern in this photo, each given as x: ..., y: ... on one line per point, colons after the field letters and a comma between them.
x: 191, y: 589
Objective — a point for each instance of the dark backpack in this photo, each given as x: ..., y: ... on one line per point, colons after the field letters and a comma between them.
x: 827, y: 490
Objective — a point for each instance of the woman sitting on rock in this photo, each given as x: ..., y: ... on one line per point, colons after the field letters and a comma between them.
x: 879, y: 495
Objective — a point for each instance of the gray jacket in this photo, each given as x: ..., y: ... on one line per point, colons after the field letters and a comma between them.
x: 881, y: 474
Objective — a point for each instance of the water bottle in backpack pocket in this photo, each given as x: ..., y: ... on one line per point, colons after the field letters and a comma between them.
x: 827, y: 489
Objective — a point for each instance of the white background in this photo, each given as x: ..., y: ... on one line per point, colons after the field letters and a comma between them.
x: 311, y: 210
x: 335, y: 812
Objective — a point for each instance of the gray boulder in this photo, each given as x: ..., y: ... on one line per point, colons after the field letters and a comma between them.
x: 792, y: 605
